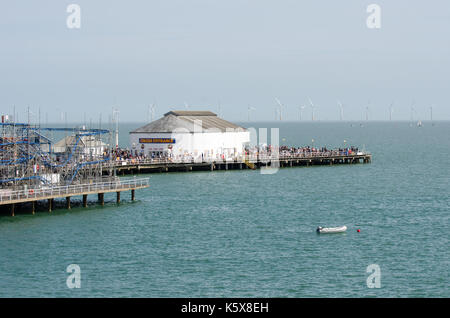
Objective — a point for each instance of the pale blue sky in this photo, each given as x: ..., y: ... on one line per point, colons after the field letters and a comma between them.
x: 130, y: 54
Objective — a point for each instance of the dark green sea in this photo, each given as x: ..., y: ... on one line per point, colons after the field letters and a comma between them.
x: 246, y: 234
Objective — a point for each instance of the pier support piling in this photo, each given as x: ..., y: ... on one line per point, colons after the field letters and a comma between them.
x: 12, y: 209
x: 132, y: 194
x: 101, y: 198
x: 68, y: 203
x: 50, y: 203
x: 84, y: 200
x: 118, y: 197
x: 33, y: 207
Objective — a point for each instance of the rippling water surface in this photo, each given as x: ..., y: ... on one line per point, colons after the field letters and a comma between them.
x: 244, y: 234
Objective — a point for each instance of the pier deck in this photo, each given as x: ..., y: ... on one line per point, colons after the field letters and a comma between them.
x: 134, y: 166
x: 10, y: 197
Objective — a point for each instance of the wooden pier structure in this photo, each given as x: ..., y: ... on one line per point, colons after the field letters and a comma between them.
x: 11, y: 198
x: 133, y: 166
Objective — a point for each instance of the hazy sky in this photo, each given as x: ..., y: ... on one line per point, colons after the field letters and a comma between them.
x: 130, y: 54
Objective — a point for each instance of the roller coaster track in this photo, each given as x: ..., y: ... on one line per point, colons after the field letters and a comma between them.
x: 44, y: 156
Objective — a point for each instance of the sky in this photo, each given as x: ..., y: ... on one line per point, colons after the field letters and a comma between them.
x: 225, y: 56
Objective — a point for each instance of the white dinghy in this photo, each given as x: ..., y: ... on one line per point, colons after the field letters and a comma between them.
x: 339, y: 229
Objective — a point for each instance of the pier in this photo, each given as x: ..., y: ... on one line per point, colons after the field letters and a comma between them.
x: 44, y: 164
x: 136, y: 166
x: 35, y: 167
x: 11, y: 198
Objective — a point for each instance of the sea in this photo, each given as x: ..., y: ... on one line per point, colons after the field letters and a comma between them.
x: 240, y: 233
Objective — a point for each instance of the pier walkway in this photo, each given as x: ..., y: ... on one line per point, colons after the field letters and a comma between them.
x: 134, y: 166
x: 11, y: 197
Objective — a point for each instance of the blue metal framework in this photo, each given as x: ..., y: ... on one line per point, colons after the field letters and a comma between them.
x: 27, y: 156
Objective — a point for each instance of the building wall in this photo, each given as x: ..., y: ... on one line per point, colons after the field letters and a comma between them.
x: 210, y: 144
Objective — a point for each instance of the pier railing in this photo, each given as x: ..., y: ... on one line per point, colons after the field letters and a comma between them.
x: 252, y: 158
x: 43, y: 192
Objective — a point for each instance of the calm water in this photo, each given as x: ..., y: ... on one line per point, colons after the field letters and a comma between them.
x: 241, y: 233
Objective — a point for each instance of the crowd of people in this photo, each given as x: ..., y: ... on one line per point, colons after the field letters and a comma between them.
x: 307, y: 151
x: 256, y: 152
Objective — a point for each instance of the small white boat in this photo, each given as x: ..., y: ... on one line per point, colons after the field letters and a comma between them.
x: 339, y: 229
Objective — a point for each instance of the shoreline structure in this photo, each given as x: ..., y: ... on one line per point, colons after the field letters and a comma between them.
x: 329, y: 158
x: 36, y: 167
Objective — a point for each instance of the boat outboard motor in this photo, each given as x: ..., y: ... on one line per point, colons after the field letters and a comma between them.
x: 318, y: 229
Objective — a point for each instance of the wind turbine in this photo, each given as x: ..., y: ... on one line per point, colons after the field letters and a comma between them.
x: 186, y: 105
x: 367, y: 110
x: 413, y: 110
x: 280, y: 107
x: 301, y: 108
x: 151, y: 112
x: 341, y: 110
x: 249, y: 109
x: 391, y: 110
x: 431, y: 115
x: 312, y: 109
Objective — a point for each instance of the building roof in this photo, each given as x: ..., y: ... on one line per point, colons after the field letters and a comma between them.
x: 85, y: 141
x: 184, y: 121
x: 190, y: 113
